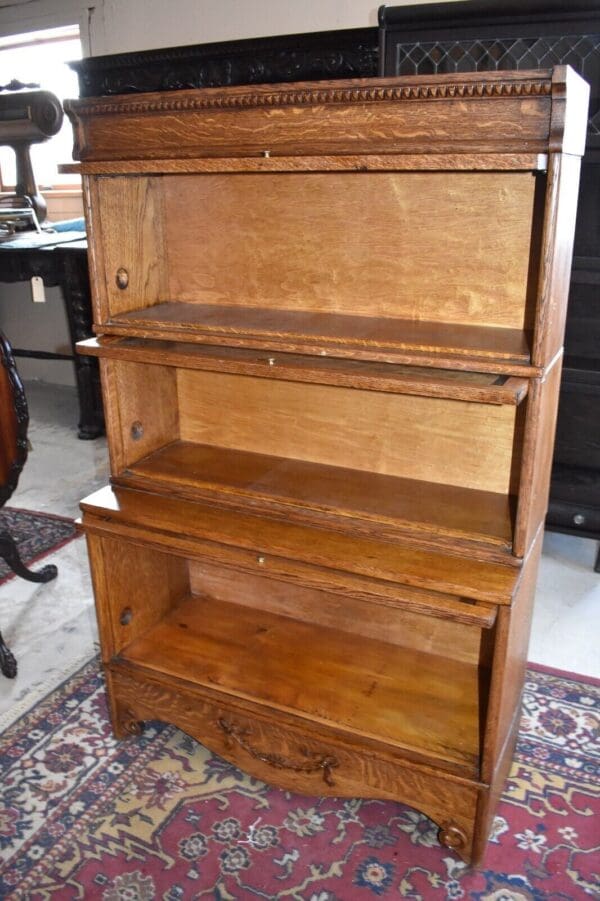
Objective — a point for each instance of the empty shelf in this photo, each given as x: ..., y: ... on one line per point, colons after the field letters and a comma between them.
x: 454, y: 384
x: 327, y: 495
x: 410, y: 699
x: 314, y: 332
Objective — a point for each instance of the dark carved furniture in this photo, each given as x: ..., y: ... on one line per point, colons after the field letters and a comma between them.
x: 522, y: 34
x: 64, y: 265
x: 14, y: 419
x: 329, y: 461
x: 350, y: 53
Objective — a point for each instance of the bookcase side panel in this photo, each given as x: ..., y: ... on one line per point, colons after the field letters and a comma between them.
x: 538, y: 447
x: 142, y: 409
x: 134, y: 588
x: 504, y: 709
x: 95, y: 238
x: 556, y: 256
x: 135, y: 272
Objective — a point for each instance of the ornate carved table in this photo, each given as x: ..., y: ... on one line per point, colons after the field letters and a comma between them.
x: 63, y: 265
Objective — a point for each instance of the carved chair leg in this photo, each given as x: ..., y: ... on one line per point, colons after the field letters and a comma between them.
x: 9, y: 552
x: 8, y: 664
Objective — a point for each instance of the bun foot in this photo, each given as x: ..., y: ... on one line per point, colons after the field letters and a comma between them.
x: 452, y: 837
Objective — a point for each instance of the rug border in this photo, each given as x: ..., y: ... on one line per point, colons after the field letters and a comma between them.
x: 38, y: 513
x: 79, y: 666
x: 554, y: 671
x: 55, y: 547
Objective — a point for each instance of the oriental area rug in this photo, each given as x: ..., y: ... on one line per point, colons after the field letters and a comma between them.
x: 36, y: 534
x: 160, y: 817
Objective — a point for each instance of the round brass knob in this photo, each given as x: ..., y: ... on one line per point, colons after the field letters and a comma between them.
x: 122, y: 278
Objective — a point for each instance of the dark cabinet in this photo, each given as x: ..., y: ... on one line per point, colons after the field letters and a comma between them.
x: 480, y: 35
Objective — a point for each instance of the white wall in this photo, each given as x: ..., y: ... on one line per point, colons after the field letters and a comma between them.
x: 115, y: 26
x: 132, y: 24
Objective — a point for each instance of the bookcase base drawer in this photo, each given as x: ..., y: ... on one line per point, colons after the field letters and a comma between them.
x: 309, y: 759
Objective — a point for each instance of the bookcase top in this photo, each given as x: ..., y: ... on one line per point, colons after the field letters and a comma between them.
x: 493, y: 112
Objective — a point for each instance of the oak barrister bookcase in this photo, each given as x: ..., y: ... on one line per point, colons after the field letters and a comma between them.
x: 330, y: 319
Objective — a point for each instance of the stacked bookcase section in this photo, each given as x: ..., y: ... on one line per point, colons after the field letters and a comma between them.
x: 330, y: 321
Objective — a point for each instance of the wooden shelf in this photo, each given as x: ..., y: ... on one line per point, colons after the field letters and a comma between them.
x: 332, y: 496
x: 426, y: 704
x: 350, y: 565
x: 382, y: 338
x: 452, y: 384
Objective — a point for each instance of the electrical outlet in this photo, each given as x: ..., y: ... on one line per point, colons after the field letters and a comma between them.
x: 38, y: 294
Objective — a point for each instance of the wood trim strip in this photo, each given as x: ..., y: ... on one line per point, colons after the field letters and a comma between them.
x: 318, y: 557
x: 538, y: 446
x: 386, y: 377
x: 435, y: 361
x: 392, y: 162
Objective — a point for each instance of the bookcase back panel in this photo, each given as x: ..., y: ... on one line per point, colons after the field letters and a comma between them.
x: 430, y: 439
x: 405, y: 628
x: 355, y: 243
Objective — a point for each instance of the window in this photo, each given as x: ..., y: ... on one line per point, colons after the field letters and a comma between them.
x: 41, y: 57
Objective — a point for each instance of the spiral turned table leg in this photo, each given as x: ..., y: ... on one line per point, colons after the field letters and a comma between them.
x: 8, y: 664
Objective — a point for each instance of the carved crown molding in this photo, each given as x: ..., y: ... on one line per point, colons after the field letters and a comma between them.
x: 349, y: 53
x: 311, y: 96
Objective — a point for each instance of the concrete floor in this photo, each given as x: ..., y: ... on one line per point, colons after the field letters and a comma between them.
x: 60, y: 468
x: 51, y: 628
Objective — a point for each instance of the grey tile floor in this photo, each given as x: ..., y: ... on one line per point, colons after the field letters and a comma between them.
x: 61, y: 470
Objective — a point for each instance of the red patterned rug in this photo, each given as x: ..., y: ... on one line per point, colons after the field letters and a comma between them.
x: 160, y: 817
x: 36, y: 535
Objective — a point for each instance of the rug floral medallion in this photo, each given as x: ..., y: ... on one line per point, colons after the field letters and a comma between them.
x: 160, y: 817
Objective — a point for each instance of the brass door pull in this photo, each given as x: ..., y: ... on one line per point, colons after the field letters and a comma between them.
x: 316, y: 761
